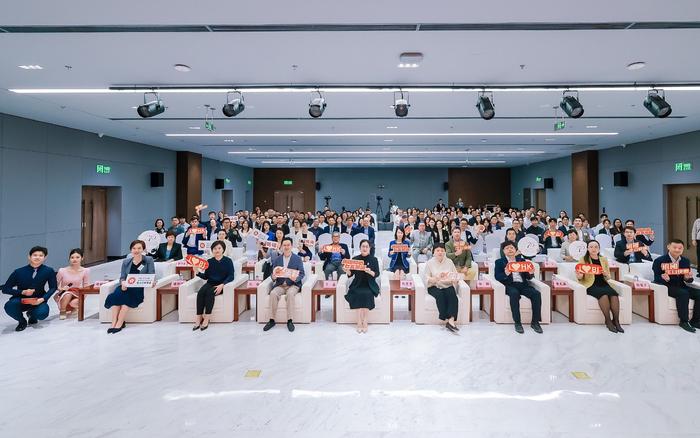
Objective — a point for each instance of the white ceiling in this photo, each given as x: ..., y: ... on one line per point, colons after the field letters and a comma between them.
x: 101, y: 60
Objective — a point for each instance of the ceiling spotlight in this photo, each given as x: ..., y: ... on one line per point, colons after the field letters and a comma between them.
x: 234, y: 105
x: 656, y: 104
x: 485, y: 106
x: 317, y: 106
x: 152, y: 108
x: 401, y: 103
x: 571, y: 106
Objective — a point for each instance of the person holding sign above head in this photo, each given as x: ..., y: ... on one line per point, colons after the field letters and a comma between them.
x: 673, y: 271
x: 170, y: 250
x: 217, y: 275
x: 125, y: 297
x: 27, y: 287
x: 442, y: 283
x: 629, y: 249
x: 284, y: 282
x: 364, y: 288
x: 333, y: 255
x: 399, y: 258
x: 192, y: 237
x: 517, y: 284
x: 460, y: 253
x: 596, y: 284
x: 69, y: 279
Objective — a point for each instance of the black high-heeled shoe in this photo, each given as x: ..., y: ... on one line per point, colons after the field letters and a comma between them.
x: 611, y: 327
x: 618, y: 327
x: 195, y: 328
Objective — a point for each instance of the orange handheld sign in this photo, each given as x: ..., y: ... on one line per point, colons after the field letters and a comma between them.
x: 634, y: 246
x: 30, y: 301
x: 270, y: 244
x: 645, y: 232
x: 407, y: 230
x: 282, y: 272
x: 679, y: 271
x: 555, y: 234
x: 668, y: 266
x: 524, y: 266
x: 399, y: 247
x: 197, y: 262
x: 332, y: 248
x: 198, y: 230
x: 589, y: 268
x: 354, y: 265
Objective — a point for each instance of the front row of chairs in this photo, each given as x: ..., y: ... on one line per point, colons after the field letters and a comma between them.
x: 586, y: 309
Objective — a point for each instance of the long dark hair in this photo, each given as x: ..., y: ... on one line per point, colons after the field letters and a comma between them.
x: 396, y: 238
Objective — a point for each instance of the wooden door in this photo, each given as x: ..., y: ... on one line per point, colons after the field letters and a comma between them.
x: 540, y: 199
x: 286, y: 200
x: 227, y: 201
x: 94, y: 224
x: 527, y: 200
x: 683, y: 208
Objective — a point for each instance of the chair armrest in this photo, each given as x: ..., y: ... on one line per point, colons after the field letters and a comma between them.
x: 190, y: 286
x: 108, y: 288
x: 463, y: 290
x: 166, y: 280
x: 239, y: 281
x: 309, y: 283
x: 622, y: 289
x: 265, y: 287
x: 695, y: 284
x: 341, y: 288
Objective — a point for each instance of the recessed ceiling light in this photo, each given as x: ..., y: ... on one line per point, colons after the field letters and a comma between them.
x: 591, y: 126
x: 134, y: 107
x: 195, y: 127
x: 388, y: 139
x: 251, y: 149
x: 229, y: 140
x: 31, y: 67
x: 391, y: 127
x: 636, y: 65
x: 294, y: 141
x: 549, y: 139
x: 396, y: 134
x: 182, y: 68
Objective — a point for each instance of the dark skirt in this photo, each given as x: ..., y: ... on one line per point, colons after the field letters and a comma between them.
x: 600, y: 291
x: 398, y: 267
x: 360, y: 298
x: 131, y: 297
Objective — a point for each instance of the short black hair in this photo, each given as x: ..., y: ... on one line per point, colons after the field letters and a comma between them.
x: 438, y: 245
x: 508, y: 243
x: 551, y: 219
x: 565, y: 217
x: 137, y: 242
x: 288, y: 238
x: 629, y: 228
x: 572, y: 230
x: 677, y: 241
x: 219, y: 243
x: 170, y: 233
x: 39, y: 249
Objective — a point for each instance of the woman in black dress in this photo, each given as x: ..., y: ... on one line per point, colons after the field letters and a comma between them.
x: 124, y: 298
x: 364, y: 287
x: 597, y: 286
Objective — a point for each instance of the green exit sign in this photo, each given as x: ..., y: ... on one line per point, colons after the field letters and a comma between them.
x: 209, y: 125
x: 538, y: 179
x: 287, y: 182
x: 684, y: 167
x: 101, y: 168
x: 250, y: 183
x: 558, y: 126
x: 227, y: 180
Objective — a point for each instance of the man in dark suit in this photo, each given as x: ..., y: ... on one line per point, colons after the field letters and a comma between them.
x: 283, y: 285
x: 535, y: 228
x: 583, y: 234
x: 518, y: 284
x: 624, y: 255
x: 368, y: 230
x: 333, y: 261
x: 332, y: 225
x: 175, y: 253
x: 648, y: 241
x: 678, y: 285
x: 280, y: 224
x: 349, y: 226
x: 565, y: 226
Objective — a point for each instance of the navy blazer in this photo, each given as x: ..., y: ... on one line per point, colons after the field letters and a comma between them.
x: 500, y: 271
x: 393, y: 257
x: 370, y: 233
x: 326, y: 256
x: 295, y: 262
x: 676, y: 280
x: 21, y: 279
x: 192, y: 250
x: 621, y: 247
x: 175, y: 252
x: 150, y: 267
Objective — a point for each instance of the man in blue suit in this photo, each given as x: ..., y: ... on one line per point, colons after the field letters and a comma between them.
x: 30, y: 282
x: 624, y: 255
x: 678, y: 285
x: 333, y: 261
x: 283, y: 285
x: 368, y: 230
x: 518, y: 284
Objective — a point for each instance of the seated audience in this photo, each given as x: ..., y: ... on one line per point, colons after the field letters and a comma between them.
x: 332, y: 261
x: 421, y: 244
x: 398, y: 261
x: 175, y: 226
x: 27, y: 287
x: 285, y: 286
x: 169, y: 250
x: 623, y: 251
x: 460, y: 253
x: 442, y: 288
x: 363, y: 287
x: 191, y: 240
x: 598, y: 287
x: 679, y: 285
x: 571, y: 237
x: 219, y: 272
x: 159, y: 226
x: 517, y: 284
x: 552, y: 240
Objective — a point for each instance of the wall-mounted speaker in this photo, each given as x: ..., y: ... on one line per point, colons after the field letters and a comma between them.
x: 157, y: 179
x: 620, y: 179
x: 219, y: 183
x: 548, y: 183
x: 445, y: 186
x: 318, y: 185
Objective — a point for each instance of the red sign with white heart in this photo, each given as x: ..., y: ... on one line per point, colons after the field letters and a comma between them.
x: 589, y: 268
x: 520, y: 266
x: 197, y: 262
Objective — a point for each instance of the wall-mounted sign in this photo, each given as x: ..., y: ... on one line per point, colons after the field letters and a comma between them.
x: 101, y: 168
x: 538, y: 179
x: 287, y: 182
x: 558, y: 126
x: 683, y: 167
x: 227, y: 180
x: 250, y: 183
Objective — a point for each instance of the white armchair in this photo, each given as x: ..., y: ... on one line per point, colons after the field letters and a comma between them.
x: 223, y: 303
x: 163, y: 269
x: 586, y: 309
x: 502, y: 313
x: 426, y: 307
x: 146, y: 311
x: 555, y: 254
x: 381, y: 312
x: 302, y: 304
x: 665, y: 311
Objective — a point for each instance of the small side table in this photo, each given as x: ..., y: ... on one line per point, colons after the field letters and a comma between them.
x: 247, y: 291
x: 87, y: 290
x: 168, y: 289
x: 316, y: 293
x: 649, y: 292
x: 474, y: 290
x: 562, y: 291
x: 544, y: 269
x: 396, y: 289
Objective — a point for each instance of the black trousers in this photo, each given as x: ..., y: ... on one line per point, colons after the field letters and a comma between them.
x: 683, y: 295
x: 447, y: 302
x: 205, y: 299
x: 515, y: 291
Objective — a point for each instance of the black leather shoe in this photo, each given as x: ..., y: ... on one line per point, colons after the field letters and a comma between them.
x: 269, y: 325
x: 21, y: 326
x: 536, y: 327
x: 110, y: 331
x: 290, y: 325
x: 519, y: 328
x: 695, y: 324
x: 32, y: 320
x: 450, y: 327
x: 619, y: 329
x: 687, y: 327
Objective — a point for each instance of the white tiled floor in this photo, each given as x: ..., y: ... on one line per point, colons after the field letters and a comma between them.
x: 71, y: 379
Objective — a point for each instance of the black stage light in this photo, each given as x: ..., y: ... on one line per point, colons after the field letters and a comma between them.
x: 234, y: 106
x: 317, y: 106
x: 571, y: 106
x: 152, y: 108
x: 485, y: 106
x: 657, y: 104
